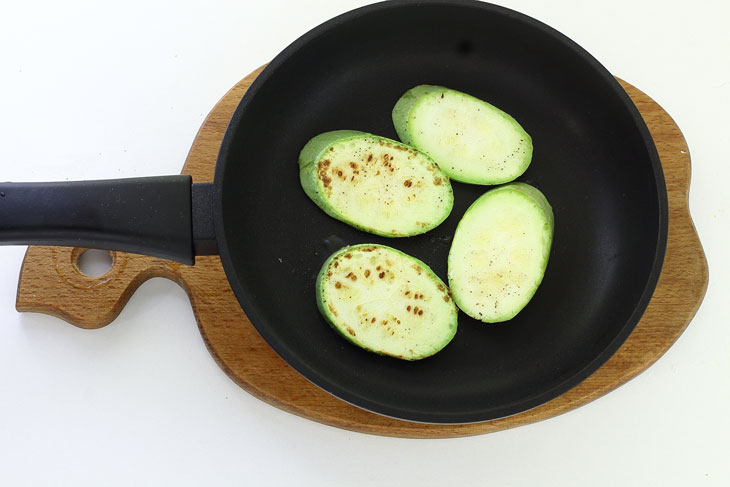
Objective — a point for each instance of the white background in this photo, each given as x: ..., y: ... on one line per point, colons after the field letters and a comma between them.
x: 98, y: 91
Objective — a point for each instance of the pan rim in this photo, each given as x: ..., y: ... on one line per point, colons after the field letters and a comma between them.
x: 458, y: 417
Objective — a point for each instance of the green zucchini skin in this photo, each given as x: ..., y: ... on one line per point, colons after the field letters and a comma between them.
x: 471, y: 140
x: 375, y: 184
x: 500, y: 252
x: 386, y: 302
x: 404, y: 106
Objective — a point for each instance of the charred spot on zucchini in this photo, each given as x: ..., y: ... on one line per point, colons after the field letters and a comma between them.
x: 375, y: 184
x: 500, y: 252
x: 386, y: 302
x: 471, y: 140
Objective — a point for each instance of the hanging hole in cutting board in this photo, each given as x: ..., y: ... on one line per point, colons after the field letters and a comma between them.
x: 94, y: 262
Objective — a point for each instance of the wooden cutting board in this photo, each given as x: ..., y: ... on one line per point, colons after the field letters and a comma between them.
x: 51, y: 282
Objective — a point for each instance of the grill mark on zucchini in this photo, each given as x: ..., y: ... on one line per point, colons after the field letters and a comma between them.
x: 374, y: 184
x: 391, y: 308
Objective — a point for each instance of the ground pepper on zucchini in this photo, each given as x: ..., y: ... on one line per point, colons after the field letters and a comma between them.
x: 386, y: 302
x: 375, y: 184
x: 500, y: 252
x: 471, y: 140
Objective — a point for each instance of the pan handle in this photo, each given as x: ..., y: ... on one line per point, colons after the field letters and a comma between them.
x: 152, y: 216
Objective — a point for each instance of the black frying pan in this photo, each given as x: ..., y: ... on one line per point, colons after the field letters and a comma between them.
x: 593, y: 158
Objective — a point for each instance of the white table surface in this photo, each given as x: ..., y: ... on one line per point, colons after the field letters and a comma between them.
x: 93, y: 90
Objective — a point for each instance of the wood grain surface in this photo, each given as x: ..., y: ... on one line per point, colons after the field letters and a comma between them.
x: 51, y: 282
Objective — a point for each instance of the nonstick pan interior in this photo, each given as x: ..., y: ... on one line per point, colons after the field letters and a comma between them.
x: 593, y: 159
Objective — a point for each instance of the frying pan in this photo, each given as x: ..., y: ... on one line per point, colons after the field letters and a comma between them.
x: 593, y: 159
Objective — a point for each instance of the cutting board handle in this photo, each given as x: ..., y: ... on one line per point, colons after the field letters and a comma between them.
x: 53, y: 283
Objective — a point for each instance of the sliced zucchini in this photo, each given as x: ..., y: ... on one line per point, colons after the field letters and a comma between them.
x: 375, y: 184
x: 500, y: 252
x: 471, y: 140
x: 386, y: 302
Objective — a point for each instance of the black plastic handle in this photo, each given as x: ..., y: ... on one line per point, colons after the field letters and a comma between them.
x: 151, y: 216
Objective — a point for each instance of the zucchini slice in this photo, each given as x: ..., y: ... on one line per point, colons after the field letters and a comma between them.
x: 375, y: 184
x: 471, y: 140
x: 386, y: 302
x: 500, y: 252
